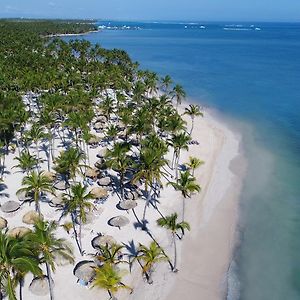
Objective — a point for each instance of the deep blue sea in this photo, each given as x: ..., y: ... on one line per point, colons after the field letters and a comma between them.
x: 251, y: 74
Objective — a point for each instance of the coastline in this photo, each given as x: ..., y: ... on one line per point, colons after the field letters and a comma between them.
x: 206, y: 252
x: 71, y: 34
x: 208, y: 216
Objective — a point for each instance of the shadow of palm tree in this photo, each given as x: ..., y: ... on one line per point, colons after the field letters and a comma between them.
x: 182, y: 168
x: 132, y: 252
x: 2, y: 188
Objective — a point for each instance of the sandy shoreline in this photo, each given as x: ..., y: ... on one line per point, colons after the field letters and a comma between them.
x: 206, y: 251
x: 211, y: 214
x: 72, y: 34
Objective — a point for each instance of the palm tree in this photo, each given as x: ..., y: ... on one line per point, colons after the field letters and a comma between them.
x: 17, y: 258
x: 166, y: 82
x: 109, y: 278
x: 77, y: 122
x: 110, y: 254
x: 150, y: 256
x: 175, y: 123
x: 179, y: 94
x: 111, y: 132
x: 170, y: 223
x: 36, y: 183
x: 37, y: 133
x: 49, y: 246
x: 187, y: 185
x: 68, y: 163
x: 26, y: 161
x: 77, y: 204
x: 150, y: 82
x: 47, y: 119
x: 107, y: 106
x: 149, y: 170
x: 118, y: 160
x: 193, y: 111
x: 178, y: 142
x: 194, y: 163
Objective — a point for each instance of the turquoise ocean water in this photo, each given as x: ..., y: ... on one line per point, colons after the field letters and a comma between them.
x: 251, y: 74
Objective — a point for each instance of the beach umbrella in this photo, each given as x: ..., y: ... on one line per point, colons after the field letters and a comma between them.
x: 102, y: 153
x: 118, y: 221
x: 131, y: 195
x: 94, y: 140
x: 18, y: 231
x: 39, y: 286
x: 49, y: 175
x: 99, y: 163
x: 60, y: 260
x: 10, y: 206
x: 98, y: 126
x: 101, y: 119
x: 128, y: 204
x: 58, y: 200
x: 91, y: 173
x: 3, y: 223
x: 23, y: 196
x: 102, y: 240
x: 99, y: 111
x: 104, y: 181
x: 31, y: 217
x: 60, y: 185
x: 99, y: 193
x: 121, y: 125
x: 85, y: 270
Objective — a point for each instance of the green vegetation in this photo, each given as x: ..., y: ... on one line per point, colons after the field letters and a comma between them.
x: 55, y: 98
x: 171, y: 224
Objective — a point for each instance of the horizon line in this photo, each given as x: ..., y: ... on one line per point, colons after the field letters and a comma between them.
x: 145, y: 20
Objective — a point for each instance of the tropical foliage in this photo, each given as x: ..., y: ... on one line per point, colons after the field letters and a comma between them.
x: 58, y: 100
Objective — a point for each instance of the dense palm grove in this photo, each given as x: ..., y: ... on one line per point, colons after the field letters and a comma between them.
x: 52, y: 90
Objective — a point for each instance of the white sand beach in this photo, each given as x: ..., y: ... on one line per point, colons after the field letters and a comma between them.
x: 72, y: 34
x: 204, y: 253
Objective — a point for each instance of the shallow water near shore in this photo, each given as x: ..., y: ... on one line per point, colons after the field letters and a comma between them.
x: 252, y: 78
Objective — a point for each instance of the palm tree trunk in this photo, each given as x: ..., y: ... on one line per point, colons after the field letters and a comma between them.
x: 76, y: 137
x: 177, y: 165
x: 162, y: 249
x: 192, y: 126
x: 37, y: 155
x: 75, y: 233
x: 80, y: 231
x: 147, y: 275
x: 52, y: 146
x: 183, y: 208
x: 173, y: 159
x: 50, y: 281
x: 175, y: 252
x: 88, y: 153
x: 48, y: 159
x: 122, y: 185
x: 21, y: 282
x: 37, y: 202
